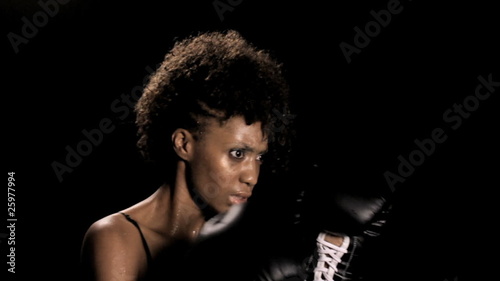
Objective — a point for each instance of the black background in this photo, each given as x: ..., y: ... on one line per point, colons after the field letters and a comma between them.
x: 354, y: 118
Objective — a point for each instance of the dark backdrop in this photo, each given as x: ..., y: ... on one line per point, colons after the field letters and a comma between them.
x: 73, y: 65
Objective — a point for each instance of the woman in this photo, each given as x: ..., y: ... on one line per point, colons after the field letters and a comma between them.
x: 205, y: 119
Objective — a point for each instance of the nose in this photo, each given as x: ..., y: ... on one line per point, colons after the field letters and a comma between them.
x: 250, y: 172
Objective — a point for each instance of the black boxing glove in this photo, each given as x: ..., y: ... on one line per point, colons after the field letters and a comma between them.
x: 281, y: 269
x: 244, y: 246
x: 350, y: 260
x: 357, y: 215
x: 342, y: 208
x: 300, y: 251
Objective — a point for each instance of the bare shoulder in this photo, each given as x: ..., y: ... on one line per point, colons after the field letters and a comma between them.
x: 112, y: 248
x: 113, y: 224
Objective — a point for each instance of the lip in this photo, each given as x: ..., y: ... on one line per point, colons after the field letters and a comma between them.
x: 239, y: 198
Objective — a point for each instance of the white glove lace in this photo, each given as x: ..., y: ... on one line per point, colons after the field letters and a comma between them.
x: 329, y: 256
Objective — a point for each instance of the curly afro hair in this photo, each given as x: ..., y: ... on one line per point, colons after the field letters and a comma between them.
x: 212, y: 75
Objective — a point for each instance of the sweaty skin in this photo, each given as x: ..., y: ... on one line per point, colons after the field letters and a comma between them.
x: 222, y: 166
x: 226, y: 162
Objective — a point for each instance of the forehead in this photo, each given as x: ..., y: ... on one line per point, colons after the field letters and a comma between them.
x: 235, y: 131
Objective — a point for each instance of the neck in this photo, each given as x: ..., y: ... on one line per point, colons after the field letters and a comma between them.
x: 184, y: 216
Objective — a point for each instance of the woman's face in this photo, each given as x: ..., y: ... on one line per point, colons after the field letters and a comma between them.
x: 226, y: 162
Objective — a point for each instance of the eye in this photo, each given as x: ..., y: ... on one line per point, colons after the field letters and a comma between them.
x: 237, y: 153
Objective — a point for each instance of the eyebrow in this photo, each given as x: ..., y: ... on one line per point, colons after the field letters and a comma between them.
x: 251, y: 149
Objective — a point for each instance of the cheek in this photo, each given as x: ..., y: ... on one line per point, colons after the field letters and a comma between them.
x: 213, y: 176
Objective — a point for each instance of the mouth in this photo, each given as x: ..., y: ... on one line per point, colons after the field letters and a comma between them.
x: 239, y: 198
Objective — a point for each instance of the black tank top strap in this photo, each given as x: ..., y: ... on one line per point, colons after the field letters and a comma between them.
x: 144, y: 242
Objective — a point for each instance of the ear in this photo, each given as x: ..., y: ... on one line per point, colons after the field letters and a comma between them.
x: 182, y: 141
